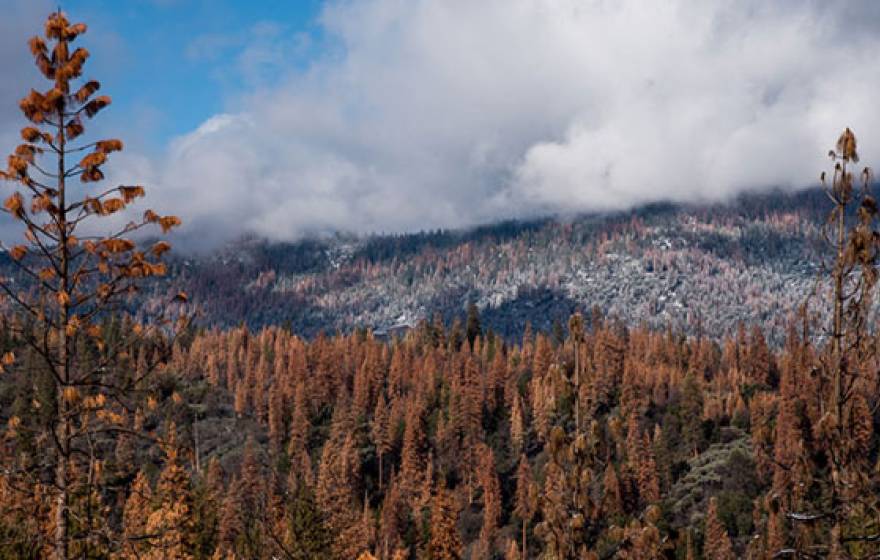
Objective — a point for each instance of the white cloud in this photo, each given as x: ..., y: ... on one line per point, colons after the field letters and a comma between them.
x: 706, y: 103
x: 449, y: 113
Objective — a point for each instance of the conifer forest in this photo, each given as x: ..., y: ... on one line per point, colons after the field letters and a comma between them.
x: 689, y: 382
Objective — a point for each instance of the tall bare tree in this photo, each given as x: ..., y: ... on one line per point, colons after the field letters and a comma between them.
x: 836, y: 512
x: 70, y: 277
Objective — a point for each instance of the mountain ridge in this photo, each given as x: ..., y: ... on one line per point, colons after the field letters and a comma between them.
x: 694, y: 267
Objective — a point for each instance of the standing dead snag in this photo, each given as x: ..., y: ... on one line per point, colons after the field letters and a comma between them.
x: 844, y: 368
x: 832, y: 512
x: 67, y: 280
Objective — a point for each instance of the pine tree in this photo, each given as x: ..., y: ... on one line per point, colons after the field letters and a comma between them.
x: 790, y: 472
x: 831, y: 484
x: 170, y: 525
x: 640, y: 539
x: 89, y: 515
x: 393, y: 520
x: 497, y: 377
x: 612, y: 495
x: 276, y: 418
x: 412, y: 458
x: 648, y: 478
x: 252, y: 489
x: 66, y: 279
x: 526, y: 499
x: 307, y: 536
x: 208, y: 496
x: 380, y: 432
x: 717, y: 543
x: 445, y: 541
x: 241, y: 398
x: 567, y: 503
x: 336, y: 494
x: 542, y: 397
x: 758, y: 360
x: 467, y: 418
x: 775, y: 530
x: 517, y: 425
x: 297, y: 445
x: 488, y: 478
x: 231, y: 525
x: 138, y: 508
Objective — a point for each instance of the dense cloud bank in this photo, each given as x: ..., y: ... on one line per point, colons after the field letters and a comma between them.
x: 425, y: 114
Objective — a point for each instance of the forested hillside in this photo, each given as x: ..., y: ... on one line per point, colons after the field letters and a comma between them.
x: 634, y: 443
x: 686, y: 267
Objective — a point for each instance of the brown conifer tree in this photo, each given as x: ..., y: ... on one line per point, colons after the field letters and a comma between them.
x: 467, y: 419
x: 838, y: 481
x: 612, y: 495
x: 488, y: 479
x: 231, y: 524
x: 567, y: 502
x: 640, y: 539
x: 412, y: 456
x: 757, y: 360
x: 517, y: 425
x: 775, y: 531
x: 137, y: 509
x: 380, y: 432
x: 496, y: 378
x: 717, y: 543
x: 393, y: 520
x: 526, y: 500
x: 67, y: 277
x: 576, y: 338
x: 648, y: 478
x: 297, y: 445
x: 337, y: 495
x: 170, y: 526
x: 276, y: 418
x: 445, y: 541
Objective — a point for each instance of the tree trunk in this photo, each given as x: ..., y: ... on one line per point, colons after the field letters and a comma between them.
x: 62, y: 472
x: 61, y: 511
x: 577, y: 388
x: 836, y: 545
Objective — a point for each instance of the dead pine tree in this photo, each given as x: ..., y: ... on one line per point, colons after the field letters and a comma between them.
x: 576, y: 335
x: 839, y: 519
x: 67, y: 280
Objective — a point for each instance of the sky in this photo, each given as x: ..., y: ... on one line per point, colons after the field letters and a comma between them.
x: 290, y: 118
x: 172, y: 64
